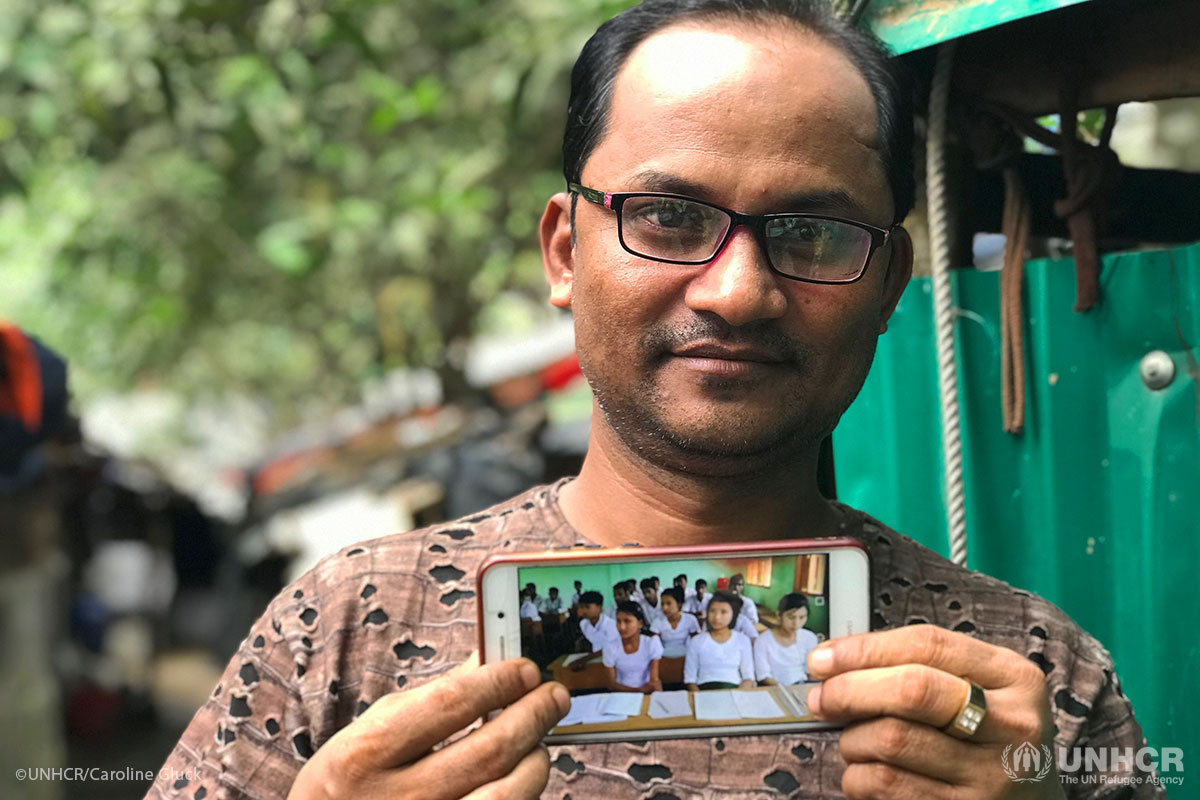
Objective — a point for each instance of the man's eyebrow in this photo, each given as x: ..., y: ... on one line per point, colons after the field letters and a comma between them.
x: 824, y: 200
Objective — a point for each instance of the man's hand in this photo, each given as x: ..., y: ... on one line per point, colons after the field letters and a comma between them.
x: 900, y: 689
x: 388, y: 751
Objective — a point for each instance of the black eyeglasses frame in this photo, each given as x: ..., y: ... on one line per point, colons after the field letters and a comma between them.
x: 757, y: 223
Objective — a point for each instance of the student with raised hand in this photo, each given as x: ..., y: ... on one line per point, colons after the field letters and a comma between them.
x: 781, y: 654
x: 632, y: 661
x: 674, y: 627
x: 721, y: 658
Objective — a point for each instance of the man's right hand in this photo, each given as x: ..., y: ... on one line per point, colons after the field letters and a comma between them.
x: 388, y: 751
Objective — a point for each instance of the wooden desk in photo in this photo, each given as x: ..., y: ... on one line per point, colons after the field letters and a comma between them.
x: 644, y: 722
x: 595, y: 674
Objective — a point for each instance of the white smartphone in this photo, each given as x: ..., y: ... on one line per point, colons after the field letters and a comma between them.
x: 672, y: 642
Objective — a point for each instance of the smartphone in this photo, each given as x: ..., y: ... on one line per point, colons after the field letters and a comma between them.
x: 603, y: 623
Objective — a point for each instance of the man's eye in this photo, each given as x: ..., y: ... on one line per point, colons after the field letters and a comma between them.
x: 673, y: 215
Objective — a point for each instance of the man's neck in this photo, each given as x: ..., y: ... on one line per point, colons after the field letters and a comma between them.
x: 619, y: 498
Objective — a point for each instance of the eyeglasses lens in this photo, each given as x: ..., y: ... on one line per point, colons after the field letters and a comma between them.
x: 676, y: 230
x: 817, y: 249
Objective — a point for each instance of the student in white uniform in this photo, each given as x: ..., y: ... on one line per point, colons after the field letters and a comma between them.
x: 632, y: 661
x: 620, y: 593
x: 674, y: 627
x: 529, y: 609
x: 721, y: 658
x: 700, y: 604
x: 578, y: 593
x: 781, y: 654
x: 737, y: 585
x: 681, y: 580
x: 596, y: 628
x: 650, y: 602
x: 552, y: 604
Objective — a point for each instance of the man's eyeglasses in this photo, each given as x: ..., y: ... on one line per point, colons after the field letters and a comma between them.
x: 674, y: 229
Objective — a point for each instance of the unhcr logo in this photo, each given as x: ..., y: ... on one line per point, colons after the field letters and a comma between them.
x: 1026, y: 763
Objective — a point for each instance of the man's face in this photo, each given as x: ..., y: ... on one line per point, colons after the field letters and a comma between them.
x: 590, y: 612
x: 553, y: 593
x: 737, y: 586
x: 651, y: 595
x: 761, y: 119
x: 620, y: 595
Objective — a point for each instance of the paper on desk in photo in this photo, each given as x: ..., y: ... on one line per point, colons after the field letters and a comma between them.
x: 627, y: 704
x: 571, y: 659
x: 669, y: 704
x: 757, y: 705
x: 716, y: 705
x: 589, y: 709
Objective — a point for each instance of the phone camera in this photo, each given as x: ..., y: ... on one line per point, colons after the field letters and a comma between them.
x: 500, y: 614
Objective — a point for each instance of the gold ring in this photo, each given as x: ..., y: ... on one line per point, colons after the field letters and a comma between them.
x: 969, y: 717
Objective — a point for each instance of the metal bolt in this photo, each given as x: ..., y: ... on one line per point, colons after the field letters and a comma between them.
x: 1158, y: 370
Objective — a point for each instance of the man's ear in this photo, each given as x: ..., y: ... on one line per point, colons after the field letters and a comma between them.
x: 899, y: 271
x: 557, y: 250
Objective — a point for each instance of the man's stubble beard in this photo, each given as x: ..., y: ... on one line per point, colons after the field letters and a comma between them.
x: 734, y: 450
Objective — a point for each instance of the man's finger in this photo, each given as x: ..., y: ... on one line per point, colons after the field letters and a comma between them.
x: 402, y: 726
x: 987, y: 665
x: 914, y: 692
x: 494, y: 750
x: 910, y: 746
x: 525, y: 782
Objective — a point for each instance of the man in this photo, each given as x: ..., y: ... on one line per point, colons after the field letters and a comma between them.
x: 576, y: 595
x: 737, y: 585
x: 651, y: 607
x: 552, y: 604
x: 529, y: 609
x: 681, y: 580
x: 620, y: 593
x: 715, y: 382
x: 598, y: 629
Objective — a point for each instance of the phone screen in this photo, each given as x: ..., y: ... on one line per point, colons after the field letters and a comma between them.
x: 678, y: 646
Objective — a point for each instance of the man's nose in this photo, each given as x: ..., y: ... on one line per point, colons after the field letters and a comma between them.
x: 737, y: 285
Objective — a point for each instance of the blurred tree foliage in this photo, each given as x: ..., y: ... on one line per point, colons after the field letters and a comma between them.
x: 279, y: 197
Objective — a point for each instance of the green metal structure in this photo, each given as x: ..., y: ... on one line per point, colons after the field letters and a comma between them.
x: 1096, y: 505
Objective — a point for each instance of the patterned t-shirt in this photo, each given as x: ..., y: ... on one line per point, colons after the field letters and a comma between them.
x: 399, y: 611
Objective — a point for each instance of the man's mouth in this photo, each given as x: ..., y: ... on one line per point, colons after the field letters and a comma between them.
x: 727, y: 360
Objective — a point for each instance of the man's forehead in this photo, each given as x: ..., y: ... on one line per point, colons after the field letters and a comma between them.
x: 733, y: 95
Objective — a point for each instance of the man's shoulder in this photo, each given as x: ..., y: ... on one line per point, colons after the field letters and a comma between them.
x: 450, y: 550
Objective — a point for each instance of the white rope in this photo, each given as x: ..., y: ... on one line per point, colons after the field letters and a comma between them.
x: 943, y: 303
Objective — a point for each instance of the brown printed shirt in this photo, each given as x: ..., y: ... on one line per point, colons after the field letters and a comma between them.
x: 395, y: 612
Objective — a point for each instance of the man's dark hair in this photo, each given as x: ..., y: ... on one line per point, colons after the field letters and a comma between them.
x: 792, y: 600
x: 622, y: 585
x: 648, y: 583
x: 701, y: 582
x: 730, y: 599
x: 554, y: 589
x: 680, y: 576
x: 591, y: 598
x: 595, y: 73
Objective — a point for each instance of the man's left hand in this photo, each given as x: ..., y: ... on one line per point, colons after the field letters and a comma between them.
x: 899, y: 692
